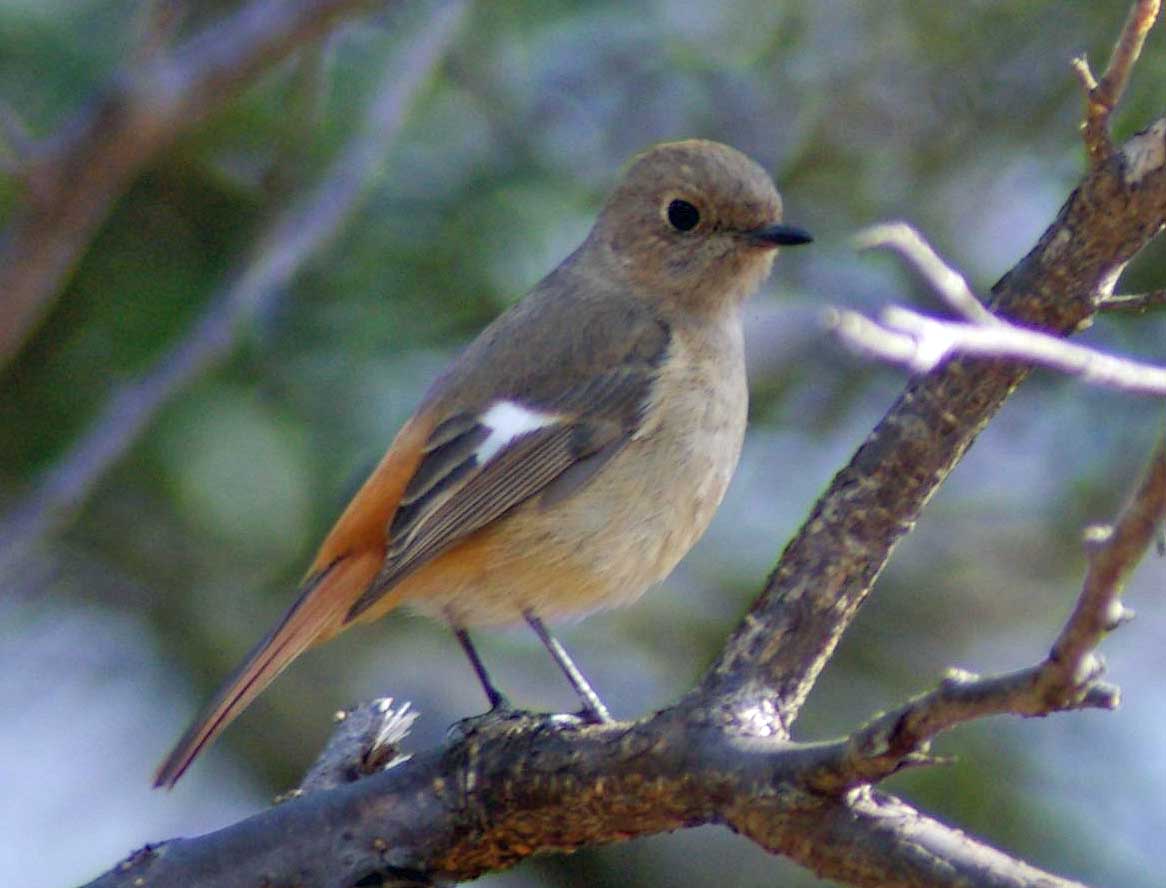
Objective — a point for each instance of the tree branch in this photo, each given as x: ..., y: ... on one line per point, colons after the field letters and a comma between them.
x: 1068, y: 679
x: 1113, y: 553
x: 71, y: 186
x: 951, y: 286
x: 1135, y: 303
x: 875, y: 840
x: 921, y: 343
x: 1102, y: 98
x: 292, y: 238
x: 515, y: 785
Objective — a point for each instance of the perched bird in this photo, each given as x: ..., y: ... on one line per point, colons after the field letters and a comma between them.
x: 574, y: 452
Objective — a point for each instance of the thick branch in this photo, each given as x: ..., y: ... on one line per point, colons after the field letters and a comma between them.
x: 517, y: 785
x: 70, y: 188
x: 876, y: 841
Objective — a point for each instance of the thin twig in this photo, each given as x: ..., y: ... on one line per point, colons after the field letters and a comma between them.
x: 1113, y: 553
x: 948, y: 284
x: 293, y: 237
x: 72, y: 184
x: 1068, y: 679
x: 1133, y: 303
x: 1103, y: 96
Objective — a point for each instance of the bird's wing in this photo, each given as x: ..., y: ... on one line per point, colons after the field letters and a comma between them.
x: 479, y: 464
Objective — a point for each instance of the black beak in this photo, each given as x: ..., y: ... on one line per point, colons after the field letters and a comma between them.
x: 779, y: 236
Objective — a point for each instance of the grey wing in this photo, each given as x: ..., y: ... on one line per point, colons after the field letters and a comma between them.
x: 455, y: 492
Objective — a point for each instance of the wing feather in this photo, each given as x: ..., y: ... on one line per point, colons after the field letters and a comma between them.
x: 464, y: 482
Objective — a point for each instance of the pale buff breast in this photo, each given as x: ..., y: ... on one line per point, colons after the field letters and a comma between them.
x: 631, y: 524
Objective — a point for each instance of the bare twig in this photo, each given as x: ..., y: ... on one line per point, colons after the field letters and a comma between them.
x: 292, y: 238
x: 72, y: 184
x: 1068, y: 679
x: 906, y: 337
x: 948, y: 284
x: 902, y: 737
x: 1134, y: 303
x: 1113, y: 553
x: 1103, y: 97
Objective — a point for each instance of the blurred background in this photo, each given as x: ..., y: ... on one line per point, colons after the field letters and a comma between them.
x: 120, y: 616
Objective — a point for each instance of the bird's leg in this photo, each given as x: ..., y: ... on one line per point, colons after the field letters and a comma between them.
x: 592, y: 705
x: 497, y: 699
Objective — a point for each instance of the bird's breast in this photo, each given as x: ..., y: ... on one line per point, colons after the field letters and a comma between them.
x: 633, y: 522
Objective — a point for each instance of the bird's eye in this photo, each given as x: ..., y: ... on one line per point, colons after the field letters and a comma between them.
x: 682, y: 215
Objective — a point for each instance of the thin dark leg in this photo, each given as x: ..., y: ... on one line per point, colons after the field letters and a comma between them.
x: 591, y: 701
x: 496, y: 698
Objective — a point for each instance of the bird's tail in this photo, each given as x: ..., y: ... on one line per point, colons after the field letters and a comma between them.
x: 318, y: 613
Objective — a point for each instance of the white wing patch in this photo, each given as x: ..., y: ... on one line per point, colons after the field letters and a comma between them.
x: 507, y: 421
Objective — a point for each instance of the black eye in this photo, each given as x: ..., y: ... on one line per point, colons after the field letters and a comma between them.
x: 683, y: 216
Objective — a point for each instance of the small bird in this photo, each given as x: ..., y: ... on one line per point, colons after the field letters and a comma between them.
x: 574, y: 452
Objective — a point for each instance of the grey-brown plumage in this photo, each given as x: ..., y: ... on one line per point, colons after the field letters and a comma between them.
x: 577, y: 448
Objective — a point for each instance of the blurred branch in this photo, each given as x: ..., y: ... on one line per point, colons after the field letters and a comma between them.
x: 292, y: 238
x: 951, y: 286
x: 922, y: 343
x: 1103, y: 97
x: 72, y: 182
x: 14, y: 137
x: 159, y: 22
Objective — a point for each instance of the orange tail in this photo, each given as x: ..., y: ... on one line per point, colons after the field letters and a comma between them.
x: 316, y: 616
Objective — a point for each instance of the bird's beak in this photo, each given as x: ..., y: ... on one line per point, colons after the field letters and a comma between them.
x: 779, y: 236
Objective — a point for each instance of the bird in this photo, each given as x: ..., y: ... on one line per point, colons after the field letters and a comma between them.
x: 573, y: 453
